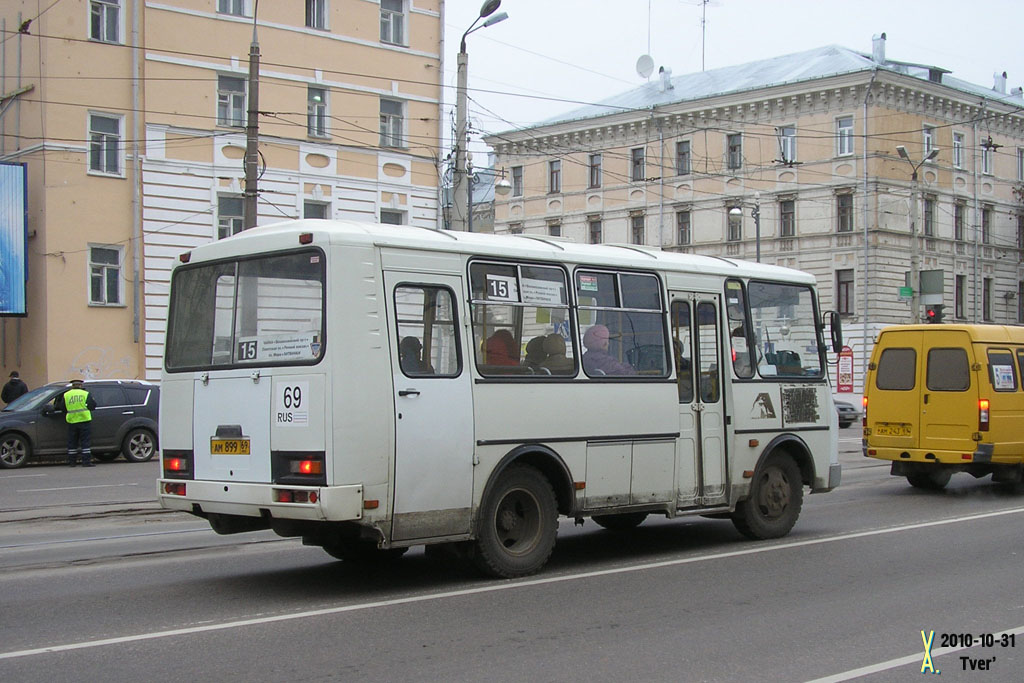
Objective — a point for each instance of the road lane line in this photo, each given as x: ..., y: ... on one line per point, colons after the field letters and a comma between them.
x: 257, y: 621
x: 903, y: 661
x: 20, y: 476
x: 70, y: 488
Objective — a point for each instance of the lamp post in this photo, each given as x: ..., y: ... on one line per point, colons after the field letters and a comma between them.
x: 755, y: 213
x: 459, y: 176
x: 501, y: 188
x: 915, y: 266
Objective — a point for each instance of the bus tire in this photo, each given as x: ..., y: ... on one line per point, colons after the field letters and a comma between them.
x: 621, y: 522
x: 776, y: 496
x: 518, y: 524
x: 362, y: 552
x: 930, y: 480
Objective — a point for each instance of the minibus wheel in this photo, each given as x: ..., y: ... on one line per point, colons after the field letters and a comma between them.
x: 621, y: 522
x: 931, y: 480
x: 776, y: 496
x: 517, y: 525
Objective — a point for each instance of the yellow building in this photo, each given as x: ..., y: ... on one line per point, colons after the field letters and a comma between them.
x: 810, y: 143
x: 130, y: 116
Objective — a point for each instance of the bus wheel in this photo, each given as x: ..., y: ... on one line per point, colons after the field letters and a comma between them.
x: 362, y: 552
x: 776, y: 496
x: 518, y: 524
x: 933, y: 480
x: 623, y: 522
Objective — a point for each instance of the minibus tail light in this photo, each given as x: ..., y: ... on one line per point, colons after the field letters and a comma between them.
x: 185, y: 256
x: 982, y: 414
x: 306, y: 238
x: 864, y: 413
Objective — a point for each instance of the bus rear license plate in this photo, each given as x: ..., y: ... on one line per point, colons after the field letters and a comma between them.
x: 229, y: 446
x: 892, y: 429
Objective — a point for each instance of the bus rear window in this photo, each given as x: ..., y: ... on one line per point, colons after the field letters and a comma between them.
x: 948, y: 370
x: 896, y: 370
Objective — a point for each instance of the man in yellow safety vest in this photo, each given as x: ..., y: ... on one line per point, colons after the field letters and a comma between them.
x: 77, y: 403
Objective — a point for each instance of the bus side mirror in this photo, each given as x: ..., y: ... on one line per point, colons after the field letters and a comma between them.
x: 835, y: 326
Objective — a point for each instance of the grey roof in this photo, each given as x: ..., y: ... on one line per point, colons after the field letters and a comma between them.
x: 822, y: 62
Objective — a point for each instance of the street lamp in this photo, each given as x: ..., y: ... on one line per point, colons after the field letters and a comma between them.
x: 473, y: 176
x: 459, y: 176
x: 756, y: 215
x: 915, y: 267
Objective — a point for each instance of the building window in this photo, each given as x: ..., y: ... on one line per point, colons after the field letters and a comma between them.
x: 105, y: 20
x: 844, y: 212
x: 959, y: 296
x: 986, y: 300
x: 392, y: 21
x: 1020, y: 230
x: 735, y: 218
x: 734, y: 151
x: 234, y: 7
x: 928, y: 138
x: 986, y: 225
x: 1020, y: 302
x: 1020, y: 163
x: 555, y: 229
x: 787, y: 143
x: 105, y: 276
x: 844, y: 135
x: 230, y: 101
x: 986, y: 159
x: 517, y: 181
x: 929, y: 217
x: 683, y: 159
x: 595, y: 170
x: 104, y: 144
x: 844, y: 291
x: 315, y: 210
x: 684, y: 235
x: 392, y: 217
x: 958, y: 150
x: 959, y: 213
x: 637, y: 224
x: 554, y: 176
x: 229, y: 215
x: 316, y: 14
x: 638, y: 163
x: 594, y: 229
x: 787, y: 218
x: 316, y: 112
x: 391, y: 122
x: 515, y: 228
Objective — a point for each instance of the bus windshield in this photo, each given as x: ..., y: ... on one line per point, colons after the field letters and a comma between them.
x: 258, y: 311
x: 786, y: 335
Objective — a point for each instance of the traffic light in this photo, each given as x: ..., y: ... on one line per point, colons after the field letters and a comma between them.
x: 933, y: 313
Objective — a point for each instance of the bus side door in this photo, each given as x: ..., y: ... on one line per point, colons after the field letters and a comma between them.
x: 433, y: 478
x: 701, y: 449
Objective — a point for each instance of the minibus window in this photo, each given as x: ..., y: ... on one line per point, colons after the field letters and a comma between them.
x: 896, y: 370
x: 427, y: 341
x: 1001, y: 371
x: 785, y: 333
x: 948, y: 370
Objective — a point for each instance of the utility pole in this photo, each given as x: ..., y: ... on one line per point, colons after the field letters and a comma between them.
x: 250, y: 202
x: 915, y: 267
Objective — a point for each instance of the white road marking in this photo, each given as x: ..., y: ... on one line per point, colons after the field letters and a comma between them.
x: 241, y: 623
x: 35, y: 544
x: 70, y: 488
x: 903, y: 661
x: 22, y: 476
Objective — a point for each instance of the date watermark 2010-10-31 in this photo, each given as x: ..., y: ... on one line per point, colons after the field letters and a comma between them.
x: 962, y: 641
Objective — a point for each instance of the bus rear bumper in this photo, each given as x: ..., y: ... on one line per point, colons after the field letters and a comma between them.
x: 333, y: 503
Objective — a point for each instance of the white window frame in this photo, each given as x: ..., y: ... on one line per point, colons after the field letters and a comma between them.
x: 229, y: 99
x: 517, y: 181
x: 986, y: 160
x: 733, y: 223
x: 105, y: 140
x: 392, y: 125
x: 392, y: 24
x: 684, y: 227
x: 400, y: 215
x: 316, y: 14
x: 844, y: 136
x: 307, y: 203
x: 595, y: 228
x: 928, y: 139
x: 316, y: 112
x: 684, y: 157
x: 102, y: 9
x: 783, y: 230
x: 638, y: 164
x: 230, y: 224
x: 1020, y: 163
x: 638, y: 229
x: 734, y: 162
x: 105, y: 271
x: 787, y: 143
x: 554, y: 176
x: 958, y: 150
x: 228, y: 7
x: 594, y: 171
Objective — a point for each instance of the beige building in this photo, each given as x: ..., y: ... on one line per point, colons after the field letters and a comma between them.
x: 810, y: 142
x: 130, y: 116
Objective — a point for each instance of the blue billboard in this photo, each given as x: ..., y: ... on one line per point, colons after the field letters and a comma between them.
x: 13, y: 238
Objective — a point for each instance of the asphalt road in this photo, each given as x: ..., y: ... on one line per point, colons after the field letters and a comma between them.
x: 102, y: 586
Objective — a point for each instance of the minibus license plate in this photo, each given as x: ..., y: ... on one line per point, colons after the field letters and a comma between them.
x: 229, y: 446
x: 892, y: 429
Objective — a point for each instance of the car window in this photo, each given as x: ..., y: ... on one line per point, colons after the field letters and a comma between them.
x: 107, y: 396
x: 136, y: 395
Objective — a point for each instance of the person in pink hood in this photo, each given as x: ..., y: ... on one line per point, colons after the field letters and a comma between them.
x: 597, y: 361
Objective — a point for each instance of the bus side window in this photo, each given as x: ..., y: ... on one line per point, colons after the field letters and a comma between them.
x: 425, y: 320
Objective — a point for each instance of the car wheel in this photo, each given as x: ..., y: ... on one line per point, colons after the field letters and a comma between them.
x: 844, y: 425
x: 14, y: 451
x: 139, y: 445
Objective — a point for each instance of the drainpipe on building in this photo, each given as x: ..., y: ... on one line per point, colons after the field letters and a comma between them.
x: 977, y: 242
x: 137, y: 185
x: 864, y: 210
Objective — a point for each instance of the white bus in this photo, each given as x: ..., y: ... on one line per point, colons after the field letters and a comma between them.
x: 371, y: 388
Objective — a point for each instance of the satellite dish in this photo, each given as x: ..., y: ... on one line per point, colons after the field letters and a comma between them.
x: 645, y: 66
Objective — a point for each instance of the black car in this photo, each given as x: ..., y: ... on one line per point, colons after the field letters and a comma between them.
x: 124, y: 422
x: 848, y: 414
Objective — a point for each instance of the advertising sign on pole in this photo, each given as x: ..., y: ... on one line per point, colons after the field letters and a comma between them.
x: 13, y: 239
x: 844, y: 371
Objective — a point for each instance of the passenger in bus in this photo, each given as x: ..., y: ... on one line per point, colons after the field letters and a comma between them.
x: 409, y: 357
x: 500, y: 349
x: 597, y: 361
x: 535, y: 354
x: 556, y: 361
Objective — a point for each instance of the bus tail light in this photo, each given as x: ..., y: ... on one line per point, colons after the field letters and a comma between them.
x: 864, y: 413
x: 295, y: 496
x: 307, y: 467
x: 177, y: 464
x: 306, y: 238
x: 983, y: 414
x: 185, y: 256
x: 174, y: 488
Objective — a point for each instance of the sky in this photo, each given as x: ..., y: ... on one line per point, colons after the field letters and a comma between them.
x: 551, y: 56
